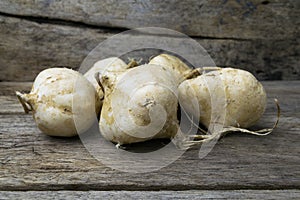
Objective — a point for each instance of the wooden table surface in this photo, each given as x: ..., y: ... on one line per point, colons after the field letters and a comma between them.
x: 33, y: 165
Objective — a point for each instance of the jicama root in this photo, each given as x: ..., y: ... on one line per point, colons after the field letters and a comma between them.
x: 239, y: 97
x: 139, y: 105
x: 112, y: 64
x: 51, y: 102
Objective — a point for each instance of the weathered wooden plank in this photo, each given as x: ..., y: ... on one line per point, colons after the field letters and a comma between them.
x: 9, y: 88
x: 30, y: 47
x: 8, y: 100
x: 30, y: 160
x: 234, y: 19
x: 26, y: 51
x: 9, y: 104
x: 190, y: 194
x: 275, y: 89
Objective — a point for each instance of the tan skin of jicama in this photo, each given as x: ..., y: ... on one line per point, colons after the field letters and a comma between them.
x: 135, y: 113
x: 148, y: 111
x: 51, y: 102
x: 244, y: 98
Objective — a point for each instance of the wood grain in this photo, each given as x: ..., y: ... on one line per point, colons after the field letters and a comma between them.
x: 9, y: 88
x: 29, y: 47
x: 258, y: 35
x: 191, y: 194
x: 30, y: 160
x: 222, y: 19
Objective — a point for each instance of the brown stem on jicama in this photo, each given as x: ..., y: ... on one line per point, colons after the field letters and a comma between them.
x: 189, y: 141
x: 210, y: 69
x: 191, y: 74
x: 133, y: 63
x: 197, y: 72
x: 97, y: 74
x: 26, y: 105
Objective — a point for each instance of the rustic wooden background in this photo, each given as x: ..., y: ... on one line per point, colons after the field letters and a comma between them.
x: 240, y: 166
x: 261, y: 36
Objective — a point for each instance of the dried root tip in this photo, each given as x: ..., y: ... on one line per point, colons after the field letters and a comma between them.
x: 204, y: 69
x: 97, y: 77
x: 185, y: 142
x: 261, y: 132
x: 198, y: 140
x: 133, y: 63
x: 119, y: 146
x: 192, y: 74
x: 278, y: 113
x: 151, y: 57
x: 198, y: 71
x: 199, y: 137
x: 26, y: 106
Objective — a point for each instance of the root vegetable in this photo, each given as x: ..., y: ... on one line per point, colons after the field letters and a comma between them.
x: 140, y: 104
x: 112, y: 64
x: 180, y: 70
x: 244, y: 103
x: 240, y: 101
x: 51, y: 101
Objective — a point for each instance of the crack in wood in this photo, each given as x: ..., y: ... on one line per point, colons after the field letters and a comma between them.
x: 106, y: 29
x: 62, y: 22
